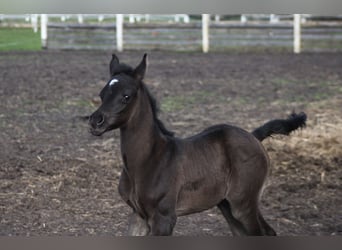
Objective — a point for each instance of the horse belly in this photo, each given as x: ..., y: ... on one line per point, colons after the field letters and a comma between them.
x: 196, y: 197
x: 204, y: 175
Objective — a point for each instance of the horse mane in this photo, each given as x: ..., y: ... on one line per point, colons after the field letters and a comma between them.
x: 155, y: 111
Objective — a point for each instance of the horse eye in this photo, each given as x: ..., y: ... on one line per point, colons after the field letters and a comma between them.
x: 126, y: 99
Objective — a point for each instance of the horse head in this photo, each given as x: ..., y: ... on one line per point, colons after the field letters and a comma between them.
x: 118, y: 97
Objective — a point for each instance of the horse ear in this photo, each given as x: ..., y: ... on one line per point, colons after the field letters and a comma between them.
x: 140, y: 70
x: 114, y: 63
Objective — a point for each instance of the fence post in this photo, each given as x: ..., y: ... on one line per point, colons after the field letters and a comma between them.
x: 119, y: 32
x: 296, y: 33
x: 43, y: 30
x: 131, y: 18
x: 34, y: 22
x: 80, y: 18
x: 100, y: 18
x: 205, y: 32
x: 243, y: 18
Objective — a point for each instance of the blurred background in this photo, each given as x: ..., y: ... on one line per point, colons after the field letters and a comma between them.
x: 179, y: 32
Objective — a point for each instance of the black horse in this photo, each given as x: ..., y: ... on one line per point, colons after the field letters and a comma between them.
x: 164, y: 176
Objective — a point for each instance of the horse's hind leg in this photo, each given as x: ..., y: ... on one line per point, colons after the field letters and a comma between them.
x: 235, y: 225
x: 244, y: 208
x: 246, y: 212
x: 265, y: 227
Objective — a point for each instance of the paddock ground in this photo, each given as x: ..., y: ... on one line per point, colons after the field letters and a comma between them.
x: 57, y: 179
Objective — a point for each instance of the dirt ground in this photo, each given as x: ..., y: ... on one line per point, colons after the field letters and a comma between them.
x: 58, y: 179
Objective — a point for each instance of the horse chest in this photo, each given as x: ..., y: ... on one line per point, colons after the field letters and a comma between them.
x: 134, y: 195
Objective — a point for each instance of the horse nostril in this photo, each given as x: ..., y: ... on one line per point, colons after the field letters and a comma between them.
x: 100, y: 121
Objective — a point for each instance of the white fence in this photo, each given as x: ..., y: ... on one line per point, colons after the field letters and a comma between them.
x: 184, y: 32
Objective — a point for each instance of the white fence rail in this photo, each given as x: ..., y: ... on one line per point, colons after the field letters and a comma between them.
x: 184, y: 32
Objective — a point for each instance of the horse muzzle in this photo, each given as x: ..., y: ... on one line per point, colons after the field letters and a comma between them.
x: 96, y: 122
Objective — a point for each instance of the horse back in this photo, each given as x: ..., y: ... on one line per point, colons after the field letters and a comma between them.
x: 226, y: 146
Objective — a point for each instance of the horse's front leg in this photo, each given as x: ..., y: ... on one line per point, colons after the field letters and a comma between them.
x: 163, y: 222
x: 137, y: 226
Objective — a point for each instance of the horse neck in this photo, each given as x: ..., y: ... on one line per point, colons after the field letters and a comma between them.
x: 140, y: 136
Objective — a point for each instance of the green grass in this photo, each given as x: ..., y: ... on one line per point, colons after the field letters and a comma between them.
x: 19, y: 39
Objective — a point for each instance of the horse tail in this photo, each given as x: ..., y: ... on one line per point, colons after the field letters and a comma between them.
x: 279, y: 126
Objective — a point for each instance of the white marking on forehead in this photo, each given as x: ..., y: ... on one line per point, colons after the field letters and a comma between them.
x: 112, y: 82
